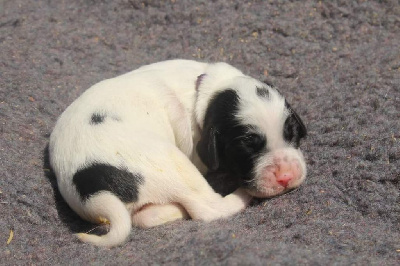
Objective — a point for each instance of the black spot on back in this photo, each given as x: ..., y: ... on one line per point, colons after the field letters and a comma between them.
x: 97, y: 118
x: 263, y: 92
x: 103, y: 177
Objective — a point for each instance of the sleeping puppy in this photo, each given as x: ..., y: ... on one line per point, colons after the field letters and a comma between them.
x: 134, y: 149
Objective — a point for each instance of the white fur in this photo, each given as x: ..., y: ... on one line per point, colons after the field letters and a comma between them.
x: 153, y: 123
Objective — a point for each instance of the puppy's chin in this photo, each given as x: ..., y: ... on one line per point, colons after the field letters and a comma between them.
x: 266, y: 193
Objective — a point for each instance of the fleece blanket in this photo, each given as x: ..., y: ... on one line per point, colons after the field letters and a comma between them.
x: 337, y: 62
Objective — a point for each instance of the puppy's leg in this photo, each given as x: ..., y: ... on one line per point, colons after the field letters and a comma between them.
x: 197, y: 196
x: 208, y: 206
x: 155, y: 214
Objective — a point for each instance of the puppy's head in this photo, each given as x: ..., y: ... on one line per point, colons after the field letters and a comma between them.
x: 251, y: 133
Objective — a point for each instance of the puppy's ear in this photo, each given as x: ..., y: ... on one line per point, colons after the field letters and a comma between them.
x: 207, y: 148
x: 302, y: 130
x: 219, y: 118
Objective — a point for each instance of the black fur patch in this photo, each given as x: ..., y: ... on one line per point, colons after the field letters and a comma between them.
x: 263, y: 92
x: 103, y: 177
x: 294, y: 129
x: 97, y: 118
x: 227, y: 147
x: 223, y: 183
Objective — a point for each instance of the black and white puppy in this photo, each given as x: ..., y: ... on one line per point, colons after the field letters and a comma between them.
x: 133, y: 149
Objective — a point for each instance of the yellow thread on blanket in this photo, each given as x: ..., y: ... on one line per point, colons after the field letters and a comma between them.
x: 10, y: 237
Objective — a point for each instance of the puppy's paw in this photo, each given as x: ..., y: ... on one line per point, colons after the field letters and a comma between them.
x: 237, y: 201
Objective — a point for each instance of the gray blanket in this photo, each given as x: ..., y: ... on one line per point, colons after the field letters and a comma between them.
x: 337, y: 62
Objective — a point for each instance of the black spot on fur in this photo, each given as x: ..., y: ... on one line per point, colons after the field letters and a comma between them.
x: 103, y: 177
x: 263, y: 92
x: 227, y: 147
x: 97, y: 118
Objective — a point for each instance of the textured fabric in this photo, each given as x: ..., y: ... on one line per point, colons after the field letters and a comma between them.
x: 337, y: 62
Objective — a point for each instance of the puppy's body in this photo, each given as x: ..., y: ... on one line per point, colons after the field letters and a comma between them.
x: 127, y: 146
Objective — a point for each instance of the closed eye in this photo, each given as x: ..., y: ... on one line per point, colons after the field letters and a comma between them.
x: 253, y: 142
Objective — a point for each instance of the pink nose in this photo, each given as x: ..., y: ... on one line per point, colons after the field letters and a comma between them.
x: 284, y: 178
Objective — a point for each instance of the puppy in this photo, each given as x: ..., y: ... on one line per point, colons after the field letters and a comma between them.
x: 133, y: 149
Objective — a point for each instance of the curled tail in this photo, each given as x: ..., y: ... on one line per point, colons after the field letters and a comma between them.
x: 103, y: 207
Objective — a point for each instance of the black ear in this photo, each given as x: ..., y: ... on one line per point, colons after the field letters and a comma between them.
x: 207, y: 148
x: 218, y: 121
x: 302, y: 130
